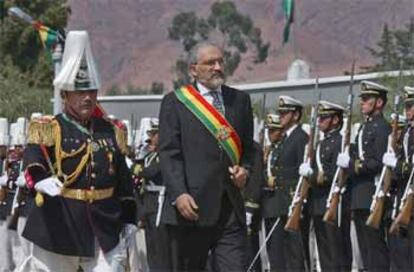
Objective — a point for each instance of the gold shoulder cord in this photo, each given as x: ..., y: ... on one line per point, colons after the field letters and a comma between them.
x: 61, y: 155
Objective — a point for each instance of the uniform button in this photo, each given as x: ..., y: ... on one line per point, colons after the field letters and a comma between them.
x: 93, y: 164
x: 93, y: 175
x: 92, y: 188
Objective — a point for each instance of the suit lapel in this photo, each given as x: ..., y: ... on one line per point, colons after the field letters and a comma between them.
x: 228, y: 105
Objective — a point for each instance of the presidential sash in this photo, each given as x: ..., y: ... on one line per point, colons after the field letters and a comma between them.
x: 214, y: 121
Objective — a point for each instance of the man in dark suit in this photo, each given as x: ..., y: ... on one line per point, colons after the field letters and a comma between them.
x: 205, y: 153
x: 285, y: 249
x: 333, y: 242
x: 364, y: 165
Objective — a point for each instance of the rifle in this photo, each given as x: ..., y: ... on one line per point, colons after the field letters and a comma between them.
x: 4, y: 189
x: 19, y: 197
x: 407, y: 202
x: 338, y: 183
x: 302, y: 188
x: 384, y: 185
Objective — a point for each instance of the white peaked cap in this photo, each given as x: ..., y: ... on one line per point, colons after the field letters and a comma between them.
x: 13, y: 133
x: 77, y: 64
x: 129, y: 131
x: 4, y: 132
x: 35, y: 115
x: 20, y: 131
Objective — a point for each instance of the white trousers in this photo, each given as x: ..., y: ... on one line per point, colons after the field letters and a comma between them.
x: 41, y: 260
x: 6, y: 256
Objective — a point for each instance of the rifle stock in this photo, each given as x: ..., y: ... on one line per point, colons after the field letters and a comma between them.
x: 404, y: 216
x: 375, y: 217
x: 331, y: 213
x: 293, y: 221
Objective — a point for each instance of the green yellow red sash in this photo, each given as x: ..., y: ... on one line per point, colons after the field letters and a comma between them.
x: 214, y: 121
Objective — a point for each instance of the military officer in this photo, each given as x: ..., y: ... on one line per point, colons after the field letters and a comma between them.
x: 364, y: 165
x: 285, y: 249
x: 400, y: 243
x: 6, y: 257
x: 75, y: 164
x: 333, y: 242
x: 156, y: 236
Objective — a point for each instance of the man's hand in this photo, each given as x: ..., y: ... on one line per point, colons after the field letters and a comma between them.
x: 51, y: 186
x: 343, y: 160
x: 187, y: 207
x: 3, y: 180
x: 238, y: 175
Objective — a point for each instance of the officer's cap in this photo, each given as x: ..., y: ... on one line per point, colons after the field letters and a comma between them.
x: 288, y: 103
x: 273, y: 121
x: 408, y: 95
x: 78, y: 72
x: 154, y: 126
x: 369, y: 88
x: 402, y: 120
x: 326, y: 108
x: 4, y: 132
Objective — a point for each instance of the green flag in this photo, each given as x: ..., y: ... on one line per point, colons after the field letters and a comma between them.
x: 288, y: 8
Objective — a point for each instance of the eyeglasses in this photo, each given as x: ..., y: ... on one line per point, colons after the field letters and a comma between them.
x: 212, y: 62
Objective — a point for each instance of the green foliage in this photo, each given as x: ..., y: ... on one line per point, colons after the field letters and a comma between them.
x: 18, y: 97
x: 393, y: 46
x: 26, y: 69
x: 226, y: 25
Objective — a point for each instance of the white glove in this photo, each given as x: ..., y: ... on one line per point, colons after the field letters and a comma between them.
x: 389, y: 159
x: 3, y: 180
x: 249, y: 217
x: 128, y: 234
x: 343, y: 160
x: 21, y: 181
x: 305, y: 170
x: 129, y: 162
x: 50, y: 186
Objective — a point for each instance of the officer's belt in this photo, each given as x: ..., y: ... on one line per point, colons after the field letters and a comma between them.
x: 154, y: 188
x: 87, y: 194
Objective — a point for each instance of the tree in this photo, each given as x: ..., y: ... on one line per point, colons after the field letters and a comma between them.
x: 394, y: 45
x: 232, y: 30
x: 26, y: 69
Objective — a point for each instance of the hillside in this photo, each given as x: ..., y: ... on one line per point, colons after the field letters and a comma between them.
x: 130, y: 37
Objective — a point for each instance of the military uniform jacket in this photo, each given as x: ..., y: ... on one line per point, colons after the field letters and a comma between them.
x: 12, y: 169
x: 328, y: 150
x: 152, y: 175
x: 371, y: 141
x: 404, y: 165
x: 192, y: 161
x: 71, y: 226
x: 291, y: 151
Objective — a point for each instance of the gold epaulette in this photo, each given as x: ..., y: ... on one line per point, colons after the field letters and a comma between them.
x: 42, y: 131
x: 121, y: 139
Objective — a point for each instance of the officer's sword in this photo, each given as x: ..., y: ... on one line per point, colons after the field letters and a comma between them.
x: 264, y: 244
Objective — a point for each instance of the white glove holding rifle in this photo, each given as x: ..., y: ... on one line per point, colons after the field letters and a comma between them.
x: 305, y: 170
x: 21, y: 181
x: 3, y: 180
x: 51, y: 186
x: 343, y: 160
x: 389, y: 159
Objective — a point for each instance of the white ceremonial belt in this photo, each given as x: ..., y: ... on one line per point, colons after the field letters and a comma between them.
x: 154, y: 188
